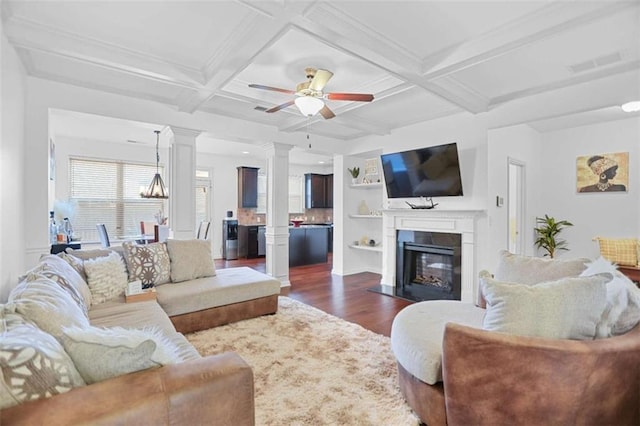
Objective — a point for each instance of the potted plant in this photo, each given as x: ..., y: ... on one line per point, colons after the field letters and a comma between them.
x: 547, y: 234
x: 355, y: 172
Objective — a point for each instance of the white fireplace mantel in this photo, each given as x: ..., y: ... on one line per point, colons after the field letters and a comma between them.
x: 448, y: 221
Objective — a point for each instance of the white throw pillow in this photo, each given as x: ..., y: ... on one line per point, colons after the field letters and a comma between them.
x: 190, y: 259
x: 570, y: 308
x: 533, y: 270
x: 622, y: 312
x: 106, y: 276
x: 33, y: 364
x: 102, y: 353
x: 46, y: 304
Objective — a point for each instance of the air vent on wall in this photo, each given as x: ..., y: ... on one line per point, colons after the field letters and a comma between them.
x: 600, y: 61
x: 136, y: 142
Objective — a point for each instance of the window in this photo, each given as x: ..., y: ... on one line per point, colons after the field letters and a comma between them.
x: 203, y: 196
x: 109, y: 192
x: 296, y: 193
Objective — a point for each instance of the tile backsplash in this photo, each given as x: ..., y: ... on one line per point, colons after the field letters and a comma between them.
x: 250, y: 217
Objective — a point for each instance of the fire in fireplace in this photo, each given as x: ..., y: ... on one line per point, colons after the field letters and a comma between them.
x: 428, y: 265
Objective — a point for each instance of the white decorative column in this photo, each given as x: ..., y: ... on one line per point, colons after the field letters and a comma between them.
x: 277, y: 230
x: 182, y: 178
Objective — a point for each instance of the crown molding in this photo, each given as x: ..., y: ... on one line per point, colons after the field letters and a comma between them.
x: 102, y: 88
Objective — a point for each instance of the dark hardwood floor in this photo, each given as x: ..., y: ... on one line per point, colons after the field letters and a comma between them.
x: 345, y: 297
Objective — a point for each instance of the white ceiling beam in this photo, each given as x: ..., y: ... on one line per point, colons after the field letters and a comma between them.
x: 603, y: 72
x: 37, y: 37
x: 345, y: 33
x: 254, y: 34
x: 553, y: 19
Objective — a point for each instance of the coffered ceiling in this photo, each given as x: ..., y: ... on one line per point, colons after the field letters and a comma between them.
x: 421, y: 59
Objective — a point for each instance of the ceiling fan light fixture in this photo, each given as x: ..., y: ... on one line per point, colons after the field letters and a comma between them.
x: 633, y: 106
x: 308, y: 105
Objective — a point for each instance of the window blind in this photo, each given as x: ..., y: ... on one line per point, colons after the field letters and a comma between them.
x: 109, y: 192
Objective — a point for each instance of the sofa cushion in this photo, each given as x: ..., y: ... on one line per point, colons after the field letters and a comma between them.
x: 569, y: 308
x: 622, y: 251
x: 117, y: 313
x: 622, y: 311
x: 148, y: 263
x: 417, y: 332
x: 48, y: 305
x: 102, y: 353
x: 230, y: 285
x: 33, y: 363
x: 107, y: 277
x: 190, y: 259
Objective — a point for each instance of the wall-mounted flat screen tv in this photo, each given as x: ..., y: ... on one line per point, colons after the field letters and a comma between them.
x: 425, y: 172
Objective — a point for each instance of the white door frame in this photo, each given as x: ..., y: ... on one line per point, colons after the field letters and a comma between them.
x: 518, y: 204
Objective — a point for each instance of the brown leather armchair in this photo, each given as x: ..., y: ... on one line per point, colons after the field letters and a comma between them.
x: 499, y: 379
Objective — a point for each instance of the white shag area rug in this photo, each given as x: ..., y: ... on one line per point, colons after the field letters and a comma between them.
x: 311, y: 368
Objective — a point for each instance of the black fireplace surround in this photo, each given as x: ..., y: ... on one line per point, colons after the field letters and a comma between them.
x: 428, y: 265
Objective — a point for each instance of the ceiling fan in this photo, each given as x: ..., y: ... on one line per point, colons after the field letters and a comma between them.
x: 310, y: 96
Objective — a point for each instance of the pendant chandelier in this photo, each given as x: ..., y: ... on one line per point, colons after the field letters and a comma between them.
x: 157, y: 188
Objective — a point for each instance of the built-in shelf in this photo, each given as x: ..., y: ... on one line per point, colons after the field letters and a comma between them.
x: 365, y: 216
x: 367, y: 248
x: 366, y: 185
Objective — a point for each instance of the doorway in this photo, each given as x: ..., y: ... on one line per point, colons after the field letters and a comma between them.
x: 203, y: 196
x: 515, y: 200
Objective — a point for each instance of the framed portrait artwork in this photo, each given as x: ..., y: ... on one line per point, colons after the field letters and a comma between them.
x: 602, y: 172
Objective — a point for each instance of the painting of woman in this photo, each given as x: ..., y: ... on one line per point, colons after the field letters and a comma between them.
x: 605, y: 168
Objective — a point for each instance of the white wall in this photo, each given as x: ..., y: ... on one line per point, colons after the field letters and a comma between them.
x: 12, y: 168
x: 612, y: 214
x: 520, y: 143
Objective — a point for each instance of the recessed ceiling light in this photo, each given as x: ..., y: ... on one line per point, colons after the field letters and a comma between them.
x: 321, y: 162
x: 633, y: 106
x: 246, y: 152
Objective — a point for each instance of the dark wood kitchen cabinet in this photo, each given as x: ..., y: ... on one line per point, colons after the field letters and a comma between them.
x: 318, y: 191
x: 308, y: 245
x: 247, y: 187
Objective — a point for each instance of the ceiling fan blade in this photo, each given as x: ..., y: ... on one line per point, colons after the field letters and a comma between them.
x: 359, y: 97
x: 326, y: 113
x: 320, y: 79
x: 274, y: 89
x: 279, y: 107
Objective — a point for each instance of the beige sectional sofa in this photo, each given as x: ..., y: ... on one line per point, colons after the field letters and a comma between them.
x: 56, y: 342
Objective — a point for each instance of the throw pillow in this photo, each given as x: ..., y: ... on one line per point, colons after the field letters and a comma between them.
x: 570, y: 308
x: 56, y: 265
x: 622, y: 251
x: 106, y: 276
x: 75, y: 263
x: 533, y: 270
x: 190, y: 259
x: 622, y: 311
x: 148, y: 263
x: 102, y: 353
x: 33, y: 363
x: 46, y: 304
x: 62, y: 282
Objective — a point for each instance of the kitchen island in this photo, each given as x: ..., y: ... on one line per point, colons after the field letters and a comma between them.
x: 308, y: 244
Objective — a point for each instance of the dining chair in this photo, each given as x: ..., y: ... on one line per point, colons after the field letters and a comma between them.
x: 102, y: 233
x: 203, y: 230
x: 148, y: 229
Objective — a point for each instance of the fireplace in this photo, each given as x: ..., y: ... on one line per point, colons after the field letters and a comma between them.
x: 428, y: 265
